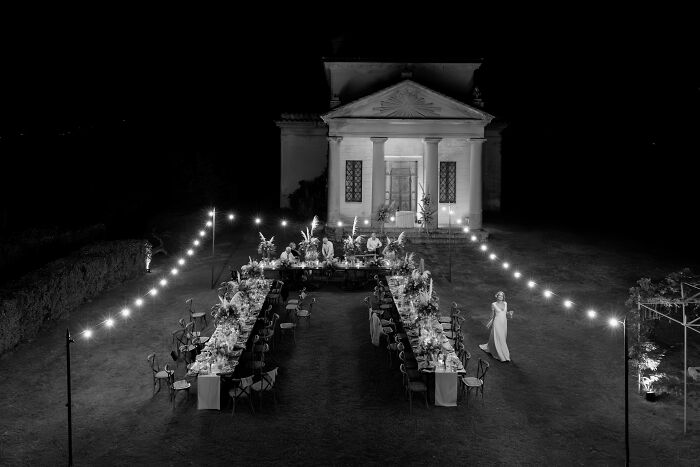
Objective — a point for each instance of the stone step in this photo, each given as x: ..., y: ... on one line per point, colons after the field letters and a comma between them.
x: 415, y: 236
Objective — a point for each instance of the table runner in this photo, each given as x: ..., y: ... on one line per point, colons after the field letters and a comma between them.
x: 208, y: 392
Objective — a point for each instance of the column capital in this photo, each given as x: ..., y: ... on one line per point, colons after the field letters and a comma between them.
x: 378, y: 139
x: 334, y: 139
x: 476, y: 140
x: 432, y: 140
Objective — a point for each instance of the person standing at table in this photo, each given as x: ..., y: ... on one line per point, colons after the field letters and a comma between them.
x: 374, y: 244
x: 327, y: 249
x: 287, y: 255
x: 295, y: 252
x: 496, y: 345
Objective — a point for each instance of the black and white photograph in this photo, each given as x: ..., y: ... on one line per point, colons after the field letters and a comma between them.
x: 343, y: 235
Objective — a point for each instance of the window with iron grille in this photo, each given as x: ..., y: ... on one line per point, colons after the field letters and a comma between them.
x: 448, y: 182
x: 353, y: 181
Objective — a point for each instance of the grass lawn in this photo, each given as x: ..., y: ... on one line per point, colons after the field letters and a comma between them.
x: 559, y: 402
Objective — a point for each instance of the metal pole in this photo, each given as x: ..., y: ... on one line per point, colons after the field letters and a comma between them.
x: 449, y: 241
x: 685, y: 363
x: 69, y: 340
x: 627, y: 432
x: 213, y: 243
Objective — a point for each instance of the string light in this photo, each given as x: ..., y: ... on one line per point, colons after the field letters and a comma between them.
x: 211, y: 213
x: 340, y: 224
x: 517, y: 274
x: 163, y: 282
x: 506, y: 265
x: 613, y: 322
x: 174, y: 271
x: 87, y: 333
x: 392, y: 218
x: 125, y: 312
x: 109, y: 322
x: 202, y: 233
x: 591, y: 314
x: 258, y: 220
x: 466, y: 230
x: 492, y: 256
x: 531, y: 284
x: 483, y: 247
x: 190, y: 252
x: 459, y: 221
x: 568, y: 303
x: 153, y: 291
x: 547, y: 293
x: 366, y: 221
x: 231, y: 217
x: 473, y: 238
x: 284, y: 223
x: 196, y: 243
x: 209, y: 224
x: 138, y: 302
x: 181, y: 261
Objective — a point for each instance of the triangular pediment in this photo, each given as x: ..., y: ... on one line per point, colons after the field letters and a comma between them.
x: 408, y: 100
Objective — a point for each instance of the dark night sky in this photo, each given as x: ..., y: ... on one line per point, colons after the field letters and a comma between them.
x: 602, y: 115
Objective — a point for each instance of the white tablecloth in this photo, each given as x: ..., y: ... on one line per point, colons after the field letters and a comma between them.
x: 445, y: 388
x: 208, y: 392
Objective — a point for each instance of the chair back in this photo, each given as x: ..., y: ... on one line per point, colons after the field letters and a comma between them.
x: 268, y: 380
x: 190, y: 305
x: 402, y: 356
x: 464, y: 357
x: 481, y: 371
x: 179, y: 337
x: 245, y: 382
x: 152, y: 362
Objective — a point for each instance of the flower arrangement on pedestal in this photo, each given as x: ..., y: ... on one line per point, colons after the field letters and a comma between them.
x: 394, y: 247
x: 309, y: 243
x: 352, y: 245
x: 252, y: 269
x: 383, y: 213
x: 427, y: 303
x: 266, y: 248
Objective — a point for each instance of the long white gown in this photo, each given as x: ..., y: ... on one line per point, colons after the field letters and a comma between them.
x: 497, y: 346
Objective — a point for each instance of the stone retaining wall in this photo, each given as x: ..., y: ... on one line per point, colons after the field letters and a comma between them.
x: 50, y: 292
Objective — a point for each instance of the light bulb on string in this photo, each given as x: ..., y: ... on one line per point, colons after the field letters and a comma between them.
x: 459, y: 221
x: 87, y: 333
x: 531, y: 284
x: 174, y: 271
x: 392, y: 218
x: 163, y: 282
x: 568, y: 303
x: 340, y: 223
x: 211, y: 213
x: 483, y: 248
x: 506, y: 265
x: 209, y: 224
x: 613, y: 322
x: 196, y: 243
x: 181, y: 261
x: 258, y: 220
x: 591, y: 314
x: 153, y: 291
x: 284, y: 223
x: 366, y: 221
x: 547, y: 293
x: 466, y: 230
x: 231, y: 217
x: 473, y: 238
x: 125, y: 312
x: 517, y: 274
x: 190, y: 252
x: 109, y: 322
x: 138, y: 302
x: 492, y: 256
x: 202, y: 233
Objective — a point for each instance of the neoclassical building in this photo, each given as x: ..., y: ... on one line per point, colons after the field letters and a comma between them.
x: 393, y: 132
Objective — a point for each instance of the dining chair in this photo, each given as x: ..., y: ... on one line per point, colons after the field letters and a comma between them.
x: 411, y: 386
x: 306, y: 314
x: 242, y: 387
x: 176, y: 387
x: 268, y: 332
x: 477, y: 383
x: 196, y: 316
x: 289, y: 328
x: 158, y: 374
x: 182, y: 343
x: 266, y: 384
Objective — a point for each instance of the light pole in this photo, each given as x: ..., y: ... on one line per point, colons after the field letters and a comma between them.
x: 614, y: 322
x: 212, y: 214
x: 69, y: 341
x: 449, y: 240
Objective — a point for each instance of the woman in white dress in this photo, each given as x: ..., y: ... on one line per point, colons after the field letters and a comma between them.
x: 497, y: 346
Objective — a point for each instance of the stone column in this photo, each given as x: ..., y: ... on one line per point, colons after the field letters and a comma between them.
x: 378, y: 176
x: 475, y: 183
x: 431, y: 182
x: 334, y: 179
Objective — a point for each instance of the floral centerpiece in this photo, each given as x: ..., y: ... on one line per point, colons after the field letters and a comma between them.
x: 266, y: 248
x: 230, y: 301
x: 309, y: 243
x: 417, y: 282
x: 430, y: 346
x: 405, y: 266
x: 352, y: 245
x: 252, y: 269
x: 427, y: 303
x: 393, y: 247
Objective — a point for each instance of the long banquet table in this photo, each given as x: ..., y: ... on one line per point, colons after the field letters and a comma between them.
x: 351, y: 274
x: 446, y: 375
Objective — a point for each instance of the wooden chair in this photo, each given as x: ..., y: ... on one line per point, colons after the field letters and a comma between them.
x: 158, y: 374
x: 289, y: 328
x: 411, y: 386
x: 196, y: 316
x: 268, y: 332
x: 296, y: 301
x: 177, y: 386
x: 306, y: 314
x: 266, y: 384
x: 241, y: 388
x: 470, y: 382
x: 181, y: 342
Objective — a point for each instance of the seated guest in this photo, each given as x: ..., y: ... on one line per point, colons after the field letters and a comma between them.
x: 295, y: 252
x: 287, y: 255
x: 374, y: 244
x: 327, y: 249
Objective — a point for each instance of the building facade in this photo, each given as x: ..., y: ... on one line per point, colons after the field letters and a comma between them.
x: 390, y: 137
